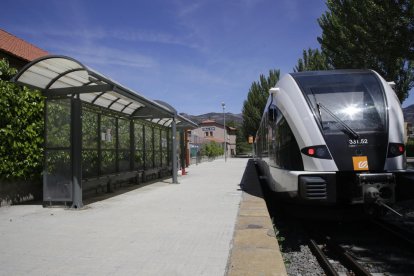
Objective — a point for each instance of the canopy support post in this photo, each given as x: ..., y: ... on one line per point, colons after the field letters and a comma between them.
x: 77, y: 152
x: 174, y: 150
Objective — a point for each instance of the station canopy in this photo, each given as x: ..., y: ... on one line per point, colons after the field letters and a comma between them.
x: 58, y: 76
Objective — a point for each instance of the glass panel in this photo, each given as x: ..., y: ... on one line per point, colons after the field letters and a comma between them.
x: 69, y: 80
x: 123, y: 101
x: 148, y: 148
x: 354, y: 99
x: 128, y: 110
x: 124, y: 160
x: 164, y: 148
x: 169, y: 147
x: 102, y: 102
x: 157, y: 138
x: 116, y: 106
x: 109, y: 97
x: 157, y: 147
x: 108, y: 161
x: 108, y: 133
x: 58, y: 123
x: 124, y: 135
x: 89, y: 163
x: 89, y: 129
x: 58, y: 176
x: 139, y: 145
x: 157, y: 159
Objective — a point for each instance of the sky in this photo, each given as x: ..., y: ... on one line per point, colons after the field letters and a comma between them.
x: 192, y: 54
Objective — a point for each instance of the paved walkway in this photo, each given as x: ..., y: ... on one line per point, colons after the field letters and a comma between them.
x: 159, y: 229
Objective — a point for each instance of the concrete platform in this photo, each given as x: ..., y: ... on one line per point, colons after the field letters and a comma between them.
x: 158, y: 229
x: 255, y: 250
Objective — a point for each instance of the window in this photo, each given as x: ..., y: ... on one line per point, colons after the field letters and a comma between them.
x: 124, y: 145
x: 157, y: 147
x: 149, y: 147
x: 164, y: 147
x: 139, y: 145
x: 355, y: 99
x: 108, y: 144
x: 284, y: 151
x: 89, y: 142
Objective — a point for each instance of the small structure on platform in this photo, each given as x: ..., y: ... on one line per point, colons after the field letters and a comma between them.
x: 98, y: 132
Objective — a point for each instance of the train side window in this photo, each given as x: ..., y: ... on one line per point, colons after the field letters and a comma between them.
x: 287, y: 153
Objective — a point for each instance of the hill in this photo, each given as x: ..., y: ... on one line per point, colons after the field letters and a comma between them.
x: 409, y: 114
x: 218, y: 117
x: 238, y: 118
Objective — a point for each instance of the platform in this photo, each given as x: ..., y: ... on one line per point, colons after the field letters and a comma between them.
x: 158, y: 229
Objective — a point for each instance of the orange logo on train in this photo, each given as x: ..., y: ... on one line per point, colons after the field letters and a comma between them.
x: 360, y: 163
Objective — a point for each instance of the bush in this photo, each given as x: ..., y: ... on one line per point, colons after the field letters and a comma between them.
x: 211, y: 150
x: 409, y: 148
x: 21, y: 128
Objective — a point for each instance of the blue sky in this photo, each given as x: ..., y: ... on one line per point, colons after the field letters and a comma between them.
x: 193, y: 54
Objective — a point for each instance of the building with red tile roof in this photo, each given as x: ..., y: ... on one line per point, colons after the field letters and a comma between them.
x: 17, y: 51
x: 210, y: 130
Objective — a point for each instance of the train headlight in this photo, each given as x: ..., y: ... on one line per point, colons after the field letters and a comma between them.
x: 320, y: 151
x: 395, y: 149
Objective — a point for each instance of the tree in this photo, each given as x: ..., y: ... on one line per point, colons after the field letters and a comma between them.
x: 241, y: 143
x: 312, y: 60
x: 372, y: 34
x: 256, y: 100
x: 211, y: 149
x: 242, y: 146
x: 21, y: 128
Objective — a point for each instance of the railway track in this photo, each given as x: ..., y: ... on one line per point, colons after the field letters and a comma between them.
x: 344, y: 258
x: 357, y: 247
x: 376, y: 247
x: 405, y: 235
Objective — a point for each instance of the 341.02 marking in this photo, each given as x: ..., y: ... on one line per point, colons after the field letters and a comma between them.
x: 361, y: 141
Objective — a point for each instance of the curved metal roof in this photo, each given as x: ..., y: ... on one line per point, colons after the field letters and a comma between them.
x: 61, y: 75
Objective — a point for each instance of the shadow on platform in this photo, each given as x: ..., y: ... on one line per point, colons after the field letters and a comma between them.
x: 250, y: 180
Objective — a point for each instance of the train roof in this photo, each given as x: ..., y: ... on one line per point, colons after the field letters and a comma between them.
x: 329, y: 72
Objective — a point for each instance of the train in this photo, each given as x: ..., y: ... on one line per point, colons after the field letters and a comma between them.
x: 332, y: 137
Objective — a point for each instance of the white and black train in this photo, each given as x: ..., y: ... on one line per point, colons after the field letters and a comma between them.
x: 332, y: 137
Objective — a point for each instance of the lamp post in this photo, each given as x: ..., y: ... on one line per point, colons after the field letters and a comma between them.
x: 224, y: 119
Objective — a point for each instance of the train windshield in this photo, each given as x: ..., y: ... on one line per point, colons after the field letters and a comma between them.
x: 348, y: 102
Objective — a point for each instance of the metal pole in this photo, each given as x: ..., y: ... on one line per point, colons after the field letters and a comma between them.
x: 182, y: 151
x: 77, y: 153
x: 225, y: 142
x: 174, y: 151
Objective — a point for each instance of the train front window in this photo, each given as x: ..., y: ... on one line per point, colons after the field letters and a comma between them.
x: 351, y: 102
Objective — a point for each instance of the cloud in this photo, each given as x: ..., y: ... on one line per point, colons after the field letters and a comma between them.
x: 184, y: 8
x: 98, y: 34
x: 98, y: 54
x: 189, y: 9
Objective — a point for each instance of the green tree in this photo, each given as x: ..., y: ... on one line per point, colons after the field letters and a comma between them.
x: 372, y: 34
x: 242, y: 145
x: 256, y: 100
x: 21, y: 128
x: 211, y: 149
x: 6, y: 72
x: 312, y: 60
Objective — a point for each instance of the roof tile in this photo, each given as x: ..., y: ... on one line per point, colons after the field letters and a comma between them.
x: 18, y: 47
